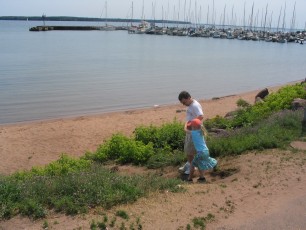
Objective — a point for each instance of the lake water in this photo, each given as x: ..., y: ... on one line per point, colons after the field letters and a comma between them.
x: 57, y: 74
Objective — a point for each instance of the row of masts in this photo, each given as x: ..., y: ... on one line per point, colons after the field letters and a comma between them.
x: 250, y: 21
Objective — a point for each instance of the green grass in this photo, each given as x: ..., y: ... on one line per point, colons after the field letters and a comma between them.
x: 76, y: 192
x: 275, y: 132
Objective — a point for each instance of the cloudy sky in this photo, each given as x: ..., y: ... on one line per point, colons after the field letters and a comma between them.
x: 195, y: 10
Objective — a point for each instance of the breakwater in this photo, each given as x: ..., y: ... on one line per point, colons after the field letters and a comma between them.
x: 48, y: 28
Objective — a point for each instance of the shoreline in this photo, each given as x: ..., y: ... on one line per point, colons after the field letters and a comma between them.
x: 94, y: 114
x: 38, y: 143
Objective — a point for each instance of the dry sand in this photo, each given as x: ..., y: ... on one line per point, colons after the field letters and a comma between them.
x: 267, y: 192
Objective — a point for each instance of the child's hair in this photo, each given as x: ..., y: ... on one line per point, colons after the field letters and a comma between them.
x: 198, y: 123
x: 204, y: 131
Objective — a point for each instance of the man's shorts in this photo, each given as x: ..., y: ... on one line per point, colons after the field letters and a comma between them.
x: 189, y: 146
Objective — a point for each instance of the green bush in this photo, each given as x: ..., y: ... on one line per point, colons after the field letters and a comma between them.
x: 217, y: 122
x: 124, y: 150
x: 62, y: 166
x: 170, y: 135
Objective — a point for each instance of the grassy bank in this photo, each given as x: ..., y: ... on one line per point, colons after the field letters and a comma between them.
x: 74, y: 186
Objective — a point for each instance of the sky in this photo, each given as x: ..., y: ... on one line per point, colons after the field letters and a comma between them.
x: 236, y: 12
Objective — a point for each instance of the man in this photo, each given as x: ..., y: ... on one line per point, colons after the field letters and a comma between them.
x: 194, y: 110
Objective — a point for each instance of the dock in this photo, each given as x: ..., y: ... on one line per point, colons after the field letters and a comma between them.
x: 85, y: 28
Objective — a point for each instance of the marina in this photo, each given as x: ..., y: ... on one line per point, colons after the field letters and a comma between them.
x: 58, y: 73
x: 206, y: 32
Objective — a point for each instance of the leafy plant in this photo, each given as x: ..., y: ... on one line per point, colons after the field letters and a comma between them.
x: 62, y: 166
x: 124, y: 150
x: 169, y: 135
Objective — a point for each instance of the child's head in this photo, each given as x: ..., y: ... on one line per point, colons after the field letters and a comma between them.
x: 194, y: 124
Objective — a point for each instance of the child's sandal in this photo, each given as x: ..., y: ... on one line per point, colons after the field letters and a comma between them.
x: 201, y: 180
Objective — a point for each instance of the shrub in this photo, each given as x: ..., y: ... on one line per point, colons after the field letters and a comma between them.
x: 170, y: 135
x: 63, y: 165
x: 124, y: 150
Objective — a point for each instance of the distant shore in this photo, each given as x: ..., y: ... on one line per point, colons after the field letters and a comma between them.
x: 84, y: 19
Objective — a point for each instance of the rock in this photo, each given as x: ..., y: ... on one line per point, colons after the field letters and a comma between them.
x: 298, y: 103
x: 263, y: 93
x: 221, y: 132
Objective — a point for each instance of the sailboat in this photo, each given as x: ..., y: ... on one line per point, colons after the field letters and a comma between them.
x: 143, y: 27
x: 107, y: 27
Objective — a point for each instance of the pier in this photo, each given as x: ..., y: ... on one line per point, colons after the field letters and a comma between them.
x: 86, y: 28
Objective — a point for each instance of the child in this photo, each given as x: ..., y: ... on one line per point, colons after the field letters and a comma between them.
x: 201, y: 159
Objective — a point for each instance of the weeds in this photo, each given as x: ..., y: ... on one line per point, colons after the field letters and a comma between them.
x: 122, y: 214
x: 76, y: 192
x: 200, y: 222
x: 276, y: 132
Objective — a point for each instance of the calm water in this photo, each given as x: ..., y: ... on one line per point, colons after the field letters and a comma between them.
x: 55, y: 74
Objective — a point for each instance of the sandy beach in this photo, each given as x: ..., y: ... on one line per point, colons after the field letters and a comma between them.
x: 25, y: 145
x: 267, y: 192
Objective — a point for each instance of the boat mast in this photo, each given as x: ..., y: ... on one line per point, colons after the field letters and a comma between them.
x: 213, y: 14
x: 232, y: 20
x: 185, y: 11
x: 293, y: 18
x: 142, y: 14
x: 244, y: 17
x: 284, y: 17
x: 265, y: 18
x: 280, y: 14
x: 251, y: 19
x: 207, y: 15
x: 271, y: 21
x: 105, y: 13
x: 223, y: 23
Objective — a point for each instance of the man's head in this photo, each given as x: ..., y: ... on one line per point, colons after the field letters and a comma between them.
x: 185, y: 98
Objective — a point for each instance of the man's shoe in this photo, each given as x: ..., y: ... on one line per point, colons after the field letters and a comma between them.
x: 184, y: 168
x: 187, y: 172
